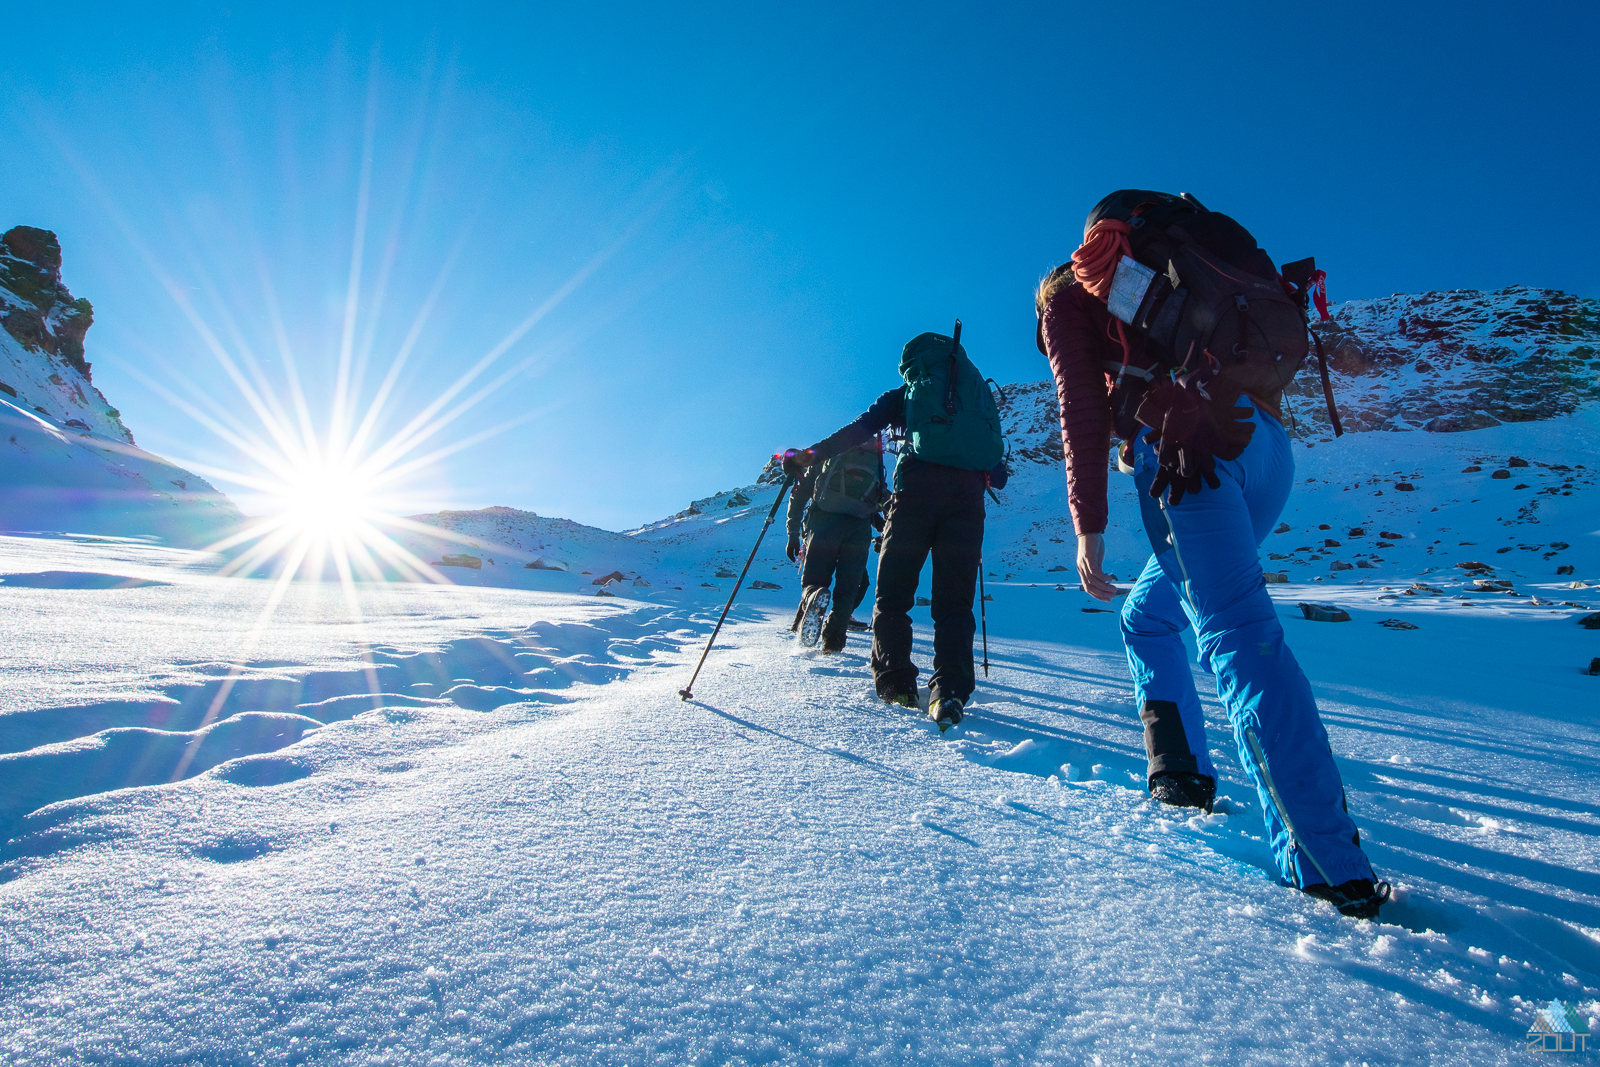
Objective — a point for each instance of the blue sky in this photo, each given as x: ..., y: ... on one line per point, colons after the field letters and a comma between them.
x: 724, y: 221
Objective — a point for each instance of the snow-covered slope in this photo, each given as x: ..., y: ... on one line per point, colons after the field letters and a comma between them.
x: 69, y: 463
x: 463, y: 825
x: 408, y: 823
x: 500, y: 546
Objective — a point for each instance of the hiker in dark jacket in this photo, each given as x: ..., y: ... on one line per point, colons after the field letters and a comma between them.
x: 833, y: 506
x: 936, y: 508
x: 1204, y: 571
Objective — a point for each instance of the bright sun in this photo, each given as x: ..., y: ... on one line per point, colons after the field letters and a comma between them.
x: 330, y: 500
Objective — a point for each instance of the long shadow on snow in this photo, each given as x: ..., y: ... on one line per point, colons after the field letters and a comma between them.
x: 1527, y: 923
x: 1368, y: 775
x: 1461, y: 739
x: 1524, y: 924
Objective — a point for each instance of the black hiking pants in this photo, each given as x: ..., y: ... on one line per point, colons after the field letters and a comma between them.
x: 937, y: 510
x: 836, y: 552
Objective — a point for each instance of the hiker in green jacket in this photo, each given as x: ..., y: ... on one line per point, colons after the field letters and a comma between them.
x: 953, y: 451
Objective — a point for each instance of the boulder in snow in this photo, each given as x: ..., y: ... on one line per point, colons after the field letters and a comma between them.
x: 1324, y: 613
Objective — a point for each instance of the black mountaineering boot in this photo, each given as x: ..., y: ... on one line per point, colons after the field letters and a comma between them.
x: 946, y: 712
x: 905, y: 698
x: 813, y: 611
x: 1180, y: 789
x: 1359, y: 898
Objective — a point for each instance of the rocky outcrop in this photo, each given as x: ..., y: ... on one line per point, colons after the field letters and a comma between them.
x: 42, y: 364
x: 35, y: 307
x: 1451, y: 361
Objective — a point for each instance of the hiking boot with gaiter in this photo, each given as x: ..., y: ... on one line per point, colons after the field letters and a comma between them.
x: 1359, y: 898
x: 1180, y: 789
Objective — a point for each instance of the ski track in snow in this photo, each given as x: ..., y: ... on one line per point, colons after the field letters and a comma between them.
x: 527, y: 849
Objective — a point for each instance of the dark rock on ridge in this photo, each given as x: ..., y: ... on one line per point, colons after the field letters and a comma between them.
x: 35, y: 307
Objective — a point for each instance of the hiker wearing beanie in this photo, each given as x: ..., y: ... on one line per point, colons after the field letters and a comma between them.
x: 834, y: 507
x: 952, y: 451
x: 1170, y: 329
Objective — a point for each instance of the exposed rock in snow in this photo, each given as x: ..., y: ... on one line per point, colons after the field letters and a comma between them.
x: 42, y: 368
x: 1457, y: 360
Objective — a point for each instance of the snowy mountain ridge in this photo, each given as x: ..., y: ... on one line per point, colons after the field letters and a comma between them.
x: 1456, y: 360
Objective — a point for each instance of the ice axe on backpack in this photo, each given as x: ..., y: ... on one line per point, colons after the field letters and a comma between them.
x: 687, y: 692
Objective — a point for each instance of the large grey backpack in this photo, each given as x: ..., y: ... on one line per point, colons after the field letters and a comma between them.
x: 851, y: 483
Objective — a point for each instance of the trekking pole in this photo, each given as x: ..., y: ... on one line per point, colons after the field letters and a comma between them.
x: 983, y: 614
x: 950, y: 393
x: 687, y: 692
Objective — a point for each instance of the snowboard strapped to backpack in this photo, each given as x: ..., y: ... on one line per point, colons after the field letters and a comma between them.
x: 951, y: 415
x: 1208, y: 300
x: 851, y: 483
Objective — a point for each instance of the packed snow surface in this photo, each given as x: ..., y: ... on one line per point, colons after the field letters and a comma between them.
x: 413, y: 823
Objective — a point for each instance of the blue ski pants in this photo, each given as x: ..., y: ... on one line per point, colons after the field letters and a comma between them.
x: 1205, y: 573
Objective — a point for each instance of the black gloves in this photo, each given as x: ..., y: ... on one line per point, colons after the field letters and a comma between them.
x: 792, y: 550
x: 1193, y: 429
x: 796, y: 460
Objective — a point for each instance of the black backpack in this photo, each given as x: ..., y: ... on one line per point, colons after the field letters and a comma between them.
x: 1201, y: 288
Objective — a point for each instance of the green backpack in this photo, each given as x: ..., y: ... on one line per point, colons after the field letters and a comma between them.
x: 851, y: 483
x: 953, y: 424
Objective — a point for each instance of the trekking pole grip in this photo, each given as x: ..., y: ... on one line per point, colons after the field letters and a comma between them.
x: 687, y: 692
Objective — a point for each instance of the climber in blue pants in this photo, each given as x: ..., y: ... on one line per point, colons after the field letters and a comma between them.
x: 1183, y: 356
x: 1205, y: 574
